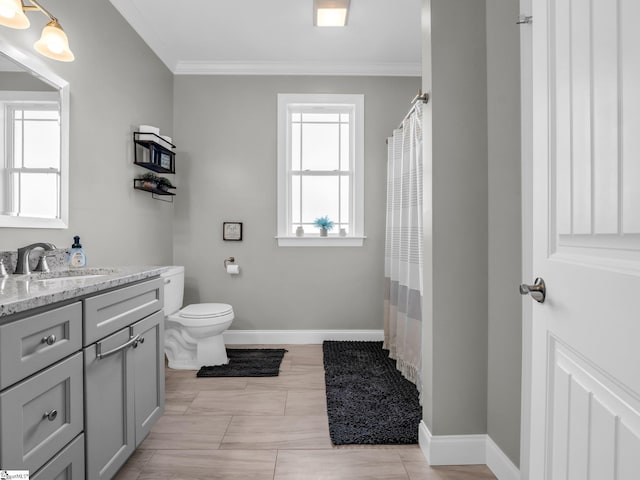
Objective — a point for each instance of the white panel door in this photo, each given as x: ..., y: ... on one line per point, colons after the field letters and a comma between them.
x: 584, y: 379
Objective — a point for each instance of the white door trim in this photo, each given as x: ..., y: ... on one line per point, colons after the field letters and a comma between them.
x: 526, y: 101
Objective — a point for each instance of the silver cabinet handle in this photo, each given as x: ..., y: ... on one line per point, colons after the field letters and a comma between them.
x: 50, y: 415
x: 538, y: 290
x: 100, y: 354
x: 49, y: 340
x: 140, y: 340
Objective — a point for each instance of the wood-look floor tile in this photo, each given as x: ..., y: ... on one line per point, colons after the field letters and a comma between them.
x: 277, y: 432
x: 197, y: 438
x: 191, y: 383
x: 306, y: 402
x: 245, y: 402
x: 285, y: 365
x: 411, y: 453
x: 210, y: 465
x: 297, y: 378
x: 177, y: 401
x: 185, y: 432
x: 306, y: 355
x: 333, y: 464
x: 132, y: 469
x: 422, y: 471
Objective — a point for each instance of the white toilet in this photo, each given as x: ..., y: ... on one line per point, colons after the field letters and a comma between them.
x: 193, y: 334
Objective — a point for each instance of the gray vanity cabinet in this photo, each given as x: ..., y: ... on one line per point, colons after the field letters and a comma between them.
x: 124, y: 376
x: 81, y: 382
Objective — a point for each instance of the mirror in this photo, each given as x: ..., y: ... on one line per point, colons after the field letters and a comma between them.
x: 34, y: 143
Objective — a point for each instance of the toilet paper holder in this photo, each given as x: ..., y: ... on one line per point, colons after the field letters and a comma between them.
x: 228, y: 261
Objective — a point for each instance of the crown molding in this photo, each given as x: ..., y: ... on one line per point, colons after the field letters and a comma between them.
x: 298, y: 68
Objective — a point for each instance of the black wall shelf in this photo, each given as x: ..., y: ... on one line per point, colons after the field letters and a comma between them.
x: 138, y: 185
x: 153, y: 153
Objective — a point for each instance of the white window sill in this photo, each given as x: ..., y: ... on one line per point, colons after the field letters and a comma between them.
x: 317, y: 241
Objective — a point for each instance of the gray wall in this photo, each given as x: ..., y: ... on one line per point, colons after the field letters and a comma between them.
x: 472, y: 330
x: 116, y: 83
x: 455, y: 333
x: 225, y: 129
x: 505, y: 245
x: 22, y: 81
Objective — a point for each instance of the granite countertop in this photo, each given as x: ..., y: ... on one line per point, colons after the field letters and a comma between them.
x: 23, y: 292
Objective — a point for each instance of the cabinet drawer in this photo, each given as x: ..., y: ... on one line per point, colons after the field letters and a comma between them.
x: 23, y: 344
x: 28, y: 437
x: 107, y: 313
x: 67, y: 465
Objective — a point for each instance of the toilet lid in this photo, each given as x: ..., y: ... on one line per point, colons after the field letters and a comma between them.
x: 206, y: 310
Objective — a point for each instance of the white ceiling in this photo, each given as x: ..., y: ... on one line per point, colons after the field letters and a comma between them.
x: 278, y: 37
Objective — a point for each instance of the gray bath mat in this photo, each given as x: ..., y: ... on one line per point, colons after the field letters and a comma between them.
x: 247, y: 362
x: 369, y: 402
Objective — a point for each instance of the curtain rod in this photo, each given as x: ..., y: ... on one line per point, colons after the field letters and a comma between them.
x: 423, y: 97
x: 420, y: 97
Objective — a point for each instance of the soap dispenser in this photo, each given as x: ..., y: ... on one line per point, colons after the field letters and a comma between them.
x: 77, y: 258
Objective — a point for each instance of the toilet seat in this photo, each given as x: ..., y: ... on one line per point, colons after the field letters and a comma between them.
x: 205, y: 310
x: 203, y: 314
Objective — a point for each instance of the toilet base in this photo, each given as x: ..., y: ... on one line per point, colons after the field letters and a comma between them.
x: 183, y: 354
x: 211, y: 351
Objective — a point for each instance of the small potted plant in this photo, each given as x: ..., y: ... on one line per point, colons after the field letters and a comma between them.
x: 324, y: 224
x: 163, y: 184
x: 149, y: 180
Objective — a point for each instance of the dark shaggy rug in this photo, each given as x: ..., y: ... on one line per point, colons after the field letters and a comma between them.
x: 369, y: 402
x: 247, y: 362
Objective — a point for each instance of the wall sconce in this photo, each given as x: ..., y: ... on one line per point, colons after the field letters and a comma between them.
x: 330, y: 13
x: 53, y: 42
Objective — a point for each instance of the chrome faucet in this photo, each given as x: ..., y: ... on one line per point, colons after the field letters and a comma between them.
x: 22, y: 264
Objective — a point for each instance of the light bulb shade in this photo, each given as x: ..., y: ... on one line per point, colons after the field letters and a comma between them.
x: 330, y: 13
x: 54, y: 43
x: 331, y: 17
x: 12, y: 15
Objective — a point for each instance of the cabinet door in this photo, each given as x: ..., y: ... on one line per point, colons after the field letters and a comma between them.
x: 109, y: 405
x: 148, y: 359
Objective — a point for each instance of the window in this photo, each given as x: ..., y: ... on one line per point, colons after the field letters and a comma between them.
x: 32, y: 170
x: 320, y: 168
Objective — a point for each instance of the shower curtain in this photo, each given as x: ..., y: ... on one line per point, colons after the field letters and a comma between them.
x: 403, y: 248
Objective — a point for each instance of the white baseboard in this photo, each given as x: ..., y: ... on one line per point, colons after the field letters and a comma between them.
x: 466, y: 450
x: 297, y: 337
x: 452, y: 449
x: 501, y: 466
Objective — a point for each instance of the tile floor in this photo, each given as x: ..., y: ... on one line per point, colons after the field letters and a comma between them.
x: 271, y: 428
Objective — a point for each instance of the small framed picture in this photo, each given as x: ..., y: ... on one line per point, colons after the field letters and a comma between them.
x: 232, y: 231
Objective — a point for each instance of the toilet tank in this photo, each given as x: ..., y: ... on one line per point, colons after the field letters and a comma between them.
x: 173, y: 289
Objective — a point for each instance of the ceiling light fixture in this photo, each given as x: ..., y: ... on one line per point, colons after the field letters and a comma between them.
x: 330, y: 13
x: 53, y: 42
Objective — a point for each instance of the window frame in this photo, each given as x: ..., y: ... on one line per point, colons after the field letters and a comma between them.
x: 35, y: 67
x: 288, y: 103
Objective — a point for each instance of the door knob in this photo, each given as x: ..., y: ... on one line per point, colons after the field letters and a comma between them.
x: 538, y: 290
